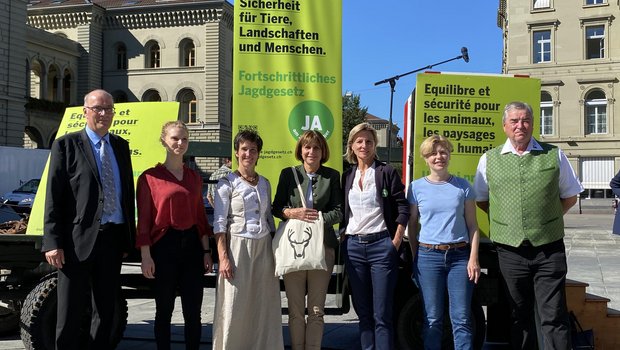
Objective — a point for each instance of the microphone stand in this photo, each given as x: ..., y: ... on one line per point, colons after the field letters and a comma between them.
x: 392, y: 81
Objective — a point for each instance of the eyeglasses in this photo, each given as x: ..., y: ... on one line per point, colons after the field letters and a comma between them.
x: 99, y: 109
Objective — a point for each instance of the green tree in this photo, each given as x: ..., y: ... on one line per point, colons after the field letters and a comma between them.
x: 352, y: 114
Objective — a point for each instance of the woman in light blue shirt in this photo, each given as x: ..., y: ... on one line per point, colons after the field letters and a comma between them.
x: 446, y: 245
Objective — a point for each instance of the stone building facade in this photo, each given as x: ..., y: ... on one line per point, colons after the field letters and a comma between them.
x: 147, y: 50
x: 12, y: 72
x: 574, y: 48
x: 382, y: 127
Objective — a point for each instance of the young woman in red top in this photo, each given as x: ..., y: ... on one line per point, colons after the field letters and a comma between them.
x: 173, y: 236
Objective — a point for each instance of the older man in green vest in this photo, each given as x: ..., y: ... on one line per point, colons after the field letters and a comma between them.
x: 526, y: 187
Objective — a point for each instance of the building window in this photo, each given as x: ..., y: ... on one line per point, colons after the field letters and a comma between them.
x: 546, y: 114
x: 188, y: 53
x: 121, y: 57
x: 541, y: 46
x: 596, y: 112
x: 188, y: 108
x: 595, y: 2
x: 193, y: 108
x: 151, y: 95
x: 153, y: 55
x: 52, y: 84
x: 595, y: 42
x: 541, y: 4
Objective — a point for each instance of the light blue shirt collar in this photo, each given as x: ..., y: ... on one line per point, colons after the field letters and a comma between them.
x: 95, y: 138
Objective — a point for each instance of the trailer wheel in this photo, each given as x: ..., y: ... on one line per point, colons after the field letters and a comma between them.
x: 9, y: 320
x: 38, y: 318
x: 410, y: 320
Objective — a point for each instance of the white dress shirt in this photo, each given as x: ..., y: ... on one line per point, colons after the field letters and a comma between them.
x: 569, y: 183
x: 366, y: 216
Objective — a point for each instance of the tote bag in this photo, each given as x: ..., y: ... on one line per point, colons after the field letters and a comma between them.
x: 297, y: 244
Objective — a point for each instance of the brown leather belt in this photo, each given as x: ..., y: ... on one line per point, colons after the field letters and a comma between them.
x: 444, y: 246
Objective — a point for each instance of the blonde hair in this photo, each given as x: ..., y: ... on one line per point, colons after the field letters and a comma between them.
x: 350, y: 156
x: 428, y: 146
x: 172, y: 124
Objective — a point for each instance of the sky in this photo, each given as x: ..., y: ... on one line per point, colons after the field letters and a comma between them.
x: 381, y: 39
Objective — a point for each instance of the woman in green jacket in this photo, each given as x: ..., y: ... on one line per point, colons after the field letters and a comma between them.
x: 321, y: 192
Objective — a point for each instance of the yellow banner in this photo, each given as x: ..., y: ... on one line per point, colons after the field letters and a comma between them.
x: 138, y: 123
x: 287, y: 76
x: 468, y: 110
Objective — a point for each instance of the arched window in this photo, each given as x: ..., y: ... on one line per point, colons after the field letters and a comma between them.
x: 52, y: 84
x: 151, y: 95
x: 546, y: 114
x: 37, y: 72
x: 121, y: 57
x: 153, y: 55
x: 188, y: 106
x: 596, y: 112
x: 187, y: 53
x: 35, y: 136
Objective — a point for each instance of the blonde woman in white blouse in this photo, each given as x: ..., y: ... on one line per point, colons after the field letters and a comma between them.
x: 375, y: 216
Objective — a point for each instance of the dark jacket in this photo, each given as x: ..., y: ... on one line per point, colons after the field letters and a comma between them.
x: 615, y: 187
x: 390, y: 194
x: 74, y: 197
x: 327, y: 197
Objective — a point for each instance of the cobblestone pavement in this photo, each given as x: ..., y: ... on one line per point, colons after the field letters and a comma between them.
x: 592, y: 252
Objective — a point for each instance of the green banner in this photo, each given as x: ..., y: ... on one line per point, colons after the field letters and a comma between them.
x: 468, y: 110
x: 287, y: 76
x: 138, y: 123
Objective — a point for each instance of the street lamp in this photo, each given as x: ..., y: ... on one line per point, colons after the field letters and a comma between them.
x: 392, y: 80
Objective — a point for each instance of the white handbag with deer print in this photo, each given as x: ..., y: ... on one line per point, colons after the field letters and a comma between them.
x: 298, y: 245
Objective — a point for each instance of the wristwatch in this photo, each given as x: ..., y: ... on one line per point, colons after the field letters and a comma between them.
x: 207, y: 251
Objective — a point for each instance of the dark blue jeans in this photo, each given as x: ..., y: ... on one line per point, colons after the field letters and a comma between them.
x: 438, y: 271
x: 179, y: 265
x: 372, y: 268
x: 535, y: 278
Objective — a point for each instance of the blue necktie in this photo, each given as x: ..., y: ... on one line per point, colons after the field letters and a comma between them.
x: 107, y: 180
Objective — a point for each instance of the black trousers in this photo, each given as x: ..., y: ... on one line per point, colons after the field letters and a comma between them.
x: 535, y: 277
x: 96, y: 281
x: 179, y: 265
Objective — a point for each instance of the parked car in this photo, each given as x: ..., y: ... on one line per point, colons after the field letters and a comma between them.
x: 22, y: 198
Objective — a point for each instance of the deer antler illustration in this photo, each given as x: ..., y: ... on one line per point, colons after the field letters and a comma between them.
x: 299, y: 246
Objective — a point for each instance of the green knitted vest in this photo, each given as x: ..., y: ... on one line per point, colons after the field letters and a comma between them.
x: 524, y: 196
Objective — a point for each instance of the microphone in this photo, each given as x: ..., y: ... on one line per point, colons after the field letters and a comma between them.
x: 464, y: 54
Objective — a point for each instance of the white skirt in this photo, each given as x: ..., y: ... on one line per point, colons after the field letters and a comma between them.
x: 248, y: 312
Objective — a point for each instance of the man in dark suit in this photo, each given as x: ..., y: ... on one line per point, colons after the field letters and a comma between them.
x: 89, y: 222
